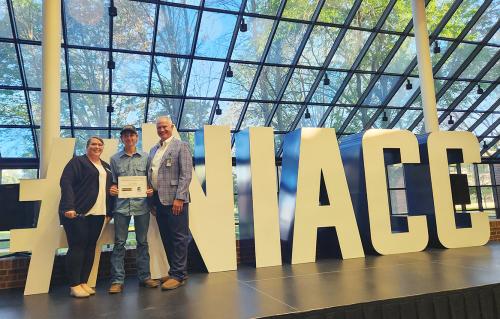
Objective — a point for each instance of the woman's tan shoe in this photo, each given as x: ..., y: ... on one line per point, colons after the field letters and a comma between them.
x: 88, y: 289
x: 78, y: 292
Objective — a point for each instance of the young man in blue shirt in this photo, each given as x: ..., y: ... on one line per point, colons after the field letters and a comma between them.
x: 130, y: 162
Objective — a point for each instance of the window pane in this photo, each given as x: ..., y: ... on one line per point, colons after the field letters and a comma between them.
x: 196, y: 113
x: 13, y: 176
x: 355, y: 88
x: 269, y: 83
x: 334, y: 11
x: 369, y: 13
x: 337, y: 117
x: 398, y: 202
x: 349, y: 48
x: 485, y: 23
x: 256, y: 114
x: 285, y: 42
x: 405, y: 54
x: 159, y: 106
x: 299, y: 85
x: 316, y: 112
x: 399, y: 17
x: 230, y: 113
x: 474, y: 204
x: 204, y: 78
x: 215, y: 34
x: 469, y: 170
x: 87, y: 22
x: 484, y: 174
x: 169, y: 75
x: 129, y: 110
x: 456, y: 59
x: 238, y: 86
x: 5, y: 27
x: 395, y: 176
x: 133, y: 27
x: 284, y: 116
x: 460, y: 18
x: 13, y: 109
x: 233, y: 5
x: 88, y: 70
x: 359, y: 121
x: 479, y: 62
x: 10, y: 74
x: 249, y: 45
x: 390, y: 114
x: 300, y: 9
x: 131, y: 73
x: 326, y: 93
x: 403, y: 95
x: 380, y: 90
x: 175, y: 30
x: 318, y: 45
x: 377, y: 53
x: 36, y: 108
x: 89, y: 110
x: 487, y: 198
x: 407, y: 119
x: 16, y: 142
x: 267, y: 7
x: 28, y: 16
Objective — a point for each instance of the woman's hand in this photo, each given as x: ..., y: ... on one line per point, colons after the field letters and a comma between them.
x: 113, y: 190
x: 70, y: 214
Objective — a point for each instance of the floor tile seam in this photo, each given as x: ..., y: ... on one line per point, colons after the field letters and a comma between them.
x: 327, y: 272
x: 269, y: 296
x: 462, y: 266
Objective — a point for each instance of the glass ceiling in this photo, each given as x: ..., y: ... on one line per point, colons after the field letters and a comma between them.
x: 350, y: 65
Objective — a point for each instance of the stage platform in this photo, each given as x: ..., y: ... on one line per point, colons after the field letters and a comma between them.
x: 436, y: 283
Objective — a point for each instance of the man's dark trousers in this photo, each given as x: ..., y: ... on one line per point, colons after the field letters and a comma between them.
x: 174, y: 231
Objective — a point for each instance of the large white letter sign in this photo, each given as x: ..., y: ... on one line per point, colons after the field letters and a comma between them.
x: 48, y: 236
x: 383, y: 239
x: 258, y: 195
x: 309, y: 153
x: 211, y: 216
x: 438, y: 143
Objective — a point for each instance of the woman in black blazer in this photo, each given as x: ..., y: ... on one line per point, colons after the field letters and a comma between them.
x: 84, y: 205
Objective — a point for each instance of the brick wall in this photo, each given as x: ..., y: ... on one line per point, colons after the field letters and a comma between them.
x: 495, y: 230
x: 13, y: 270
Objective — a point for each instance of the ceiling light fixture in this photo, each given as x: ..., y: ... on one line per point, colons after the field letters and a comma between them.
x: 479, y: 89
x: 229, y: 72
x: 307, y: 115
x: 385, y: 118
x: 436, y: 48
x: 218, y: 110
x: 326, y: 80
x: 409, y: 86
x: 451, y: 121
x: 243, y: 25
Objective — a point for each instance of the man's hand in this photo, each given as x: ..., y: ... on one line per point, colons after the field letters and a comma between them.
x: 113, y: 190
x: 107, y: 219
x: 177, y: 206
x: 70, y: 214
x: 153, y: 211
x: 149, y: 192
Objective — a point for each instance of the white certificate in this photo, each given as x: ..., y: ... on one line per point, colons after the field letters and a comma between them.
x: 132, y: 186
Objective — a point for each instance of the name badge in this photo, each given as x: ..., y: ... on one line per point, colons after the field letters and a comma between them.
x: 168, y: 162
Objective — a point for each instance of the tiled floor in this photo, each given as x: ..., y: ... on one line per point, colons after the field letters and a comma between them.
x: 250, y: 292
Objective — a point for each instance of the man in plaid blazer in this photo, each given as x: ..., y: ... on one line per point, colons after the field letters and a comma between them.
x: 169, y: 173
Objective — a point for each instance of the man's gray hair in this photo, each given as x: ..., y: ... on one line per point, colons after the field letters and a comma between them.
x: 164, y: 117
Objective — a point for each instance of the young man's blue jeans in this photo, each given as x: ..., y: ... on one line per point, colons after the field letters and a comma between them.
x: 141, y: 223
